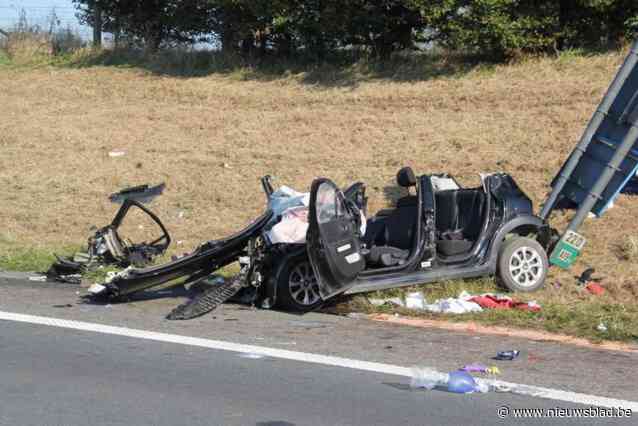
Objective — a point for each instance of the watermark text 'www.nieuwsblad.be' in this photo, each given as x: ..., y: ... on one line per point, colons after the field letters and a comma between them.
x: 561, y: 412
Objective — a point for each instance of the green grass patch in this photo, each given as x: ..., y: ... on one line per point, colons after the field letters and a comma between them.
x: 29, y: 259
x: 4, y: 58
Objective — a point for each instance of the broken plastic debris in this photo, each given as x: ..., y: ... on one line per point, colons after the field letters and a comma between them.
x: 500, y: 387
x: 142, y: 193
x: 39, y: 278
x: 414, y: 300
x: 493, y: 370
x: 474, y: 368
x: 453, y: 306
x: 117, y: 153
x: 96, y: 288
x: 391, y: 301
x: 482, y: 387
x: 602, y: 327
x: 428, y: 378
x: 480, y: 368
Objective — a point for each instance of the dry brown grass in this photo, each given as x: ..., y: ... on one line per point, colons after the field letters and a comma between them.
x: 211, y: 138
x: 26, y: 48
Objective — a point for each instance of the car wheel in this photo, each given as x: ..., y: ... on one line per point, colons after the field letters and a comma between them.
x: 297, y: 287
x: 522, y: 264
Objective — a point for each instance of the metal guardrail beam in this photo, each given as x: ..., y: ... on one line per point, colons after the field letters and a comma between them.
x: 586, y: 139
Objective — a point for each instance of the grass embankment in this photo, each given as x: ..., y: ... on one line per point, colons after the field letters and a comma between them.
x: 210, y: 129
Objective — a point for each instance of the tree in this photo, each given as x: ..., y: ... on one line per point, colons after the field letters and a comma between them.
x: 500, y: 27
x: 151, y: 22
x: 384, y: 25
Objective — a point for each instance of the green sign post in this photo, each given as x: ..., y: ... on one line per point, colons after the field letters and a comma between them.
x: 567, y: 250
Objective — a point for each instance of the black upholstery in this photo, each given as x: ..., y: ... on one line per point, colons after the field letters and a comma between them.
x: 460, y: 210
x: 390, y: 234
x: 459, y: 218
x: 396, y: 229
x: 408, y: 201
x: 387, y: 256
x: 400, y: 227
x: 406, y: 177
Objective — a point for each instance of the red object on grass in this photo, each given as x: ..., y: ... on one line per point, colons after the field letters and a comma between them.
x: 493, y: 302
x: 595, y: 288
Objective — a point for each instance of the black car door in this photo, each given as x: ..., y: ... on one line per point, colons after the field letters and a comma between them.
x: 333, y: 242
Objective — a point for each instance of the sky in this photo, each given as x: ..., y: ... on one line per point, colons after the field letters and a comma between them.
x: 37, y: 12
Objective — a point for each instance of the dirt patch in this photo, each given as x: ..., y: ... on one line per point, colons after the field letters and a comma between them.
x: 472, y: 327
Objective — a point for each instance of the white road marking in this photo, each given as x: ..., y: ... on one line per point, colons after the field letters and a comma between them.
x: 533, y: 391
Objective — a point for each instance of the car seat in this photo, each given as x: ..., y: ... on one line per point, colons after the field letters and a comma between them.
x: 390, y: 236
x: 459, y: 218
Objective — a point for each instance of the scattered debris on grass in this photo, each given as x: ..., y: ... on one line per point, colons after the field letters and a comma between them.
x: 464, y: 303
x: 493, y: 301
x: 595, y: 288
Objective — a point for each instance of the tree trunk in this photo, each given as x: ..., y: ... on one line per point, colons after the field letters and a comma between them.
x: 564, y: 20
x: 97, y: 26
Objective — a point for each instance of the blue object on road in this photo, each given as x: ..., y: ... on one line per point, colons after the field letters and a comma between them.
x: 461, y: 382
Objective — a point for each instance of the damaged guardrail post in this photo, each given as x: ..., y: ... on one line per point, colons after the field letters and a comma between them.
x: 594, y: 124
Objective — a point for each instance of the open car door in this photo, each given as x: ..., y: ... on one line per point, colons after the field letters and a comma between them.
x: 332, y: 241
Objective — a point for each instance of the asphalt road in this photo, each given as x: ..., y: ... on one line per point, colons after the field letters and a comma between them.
x: 559, y: 366
x: 58, y: 376
x: 54, y: 376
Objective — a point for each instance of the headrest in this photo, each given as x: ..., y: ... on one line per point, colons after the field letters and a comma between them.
x: 406, y: 178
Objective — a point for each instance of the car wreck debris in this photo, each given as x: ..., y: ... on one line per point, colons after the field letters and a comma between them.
x: 437, y: 231
x: 142, y: 193
x: 107, y: 247
x: 209, y: 300
x: 430, y: 236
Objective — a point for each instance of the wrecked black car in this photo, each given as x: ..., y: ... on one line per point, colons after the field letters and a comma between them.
x: 308, y: 248
x: 438, y: 231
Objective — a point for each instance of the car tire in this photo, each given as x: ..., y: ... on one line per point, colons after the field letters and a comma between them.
x: 297, y: 288
x: 522, y: 264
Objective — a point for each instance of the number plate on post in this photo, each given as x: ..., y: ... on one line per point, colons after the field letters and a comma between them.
x: 567, y: 250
